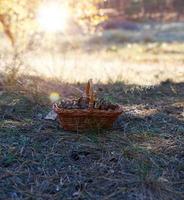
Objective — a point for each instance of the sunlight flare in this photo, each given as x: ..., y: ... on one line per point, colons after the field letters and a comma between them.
x: 54, y: 97
x: 53, y: 17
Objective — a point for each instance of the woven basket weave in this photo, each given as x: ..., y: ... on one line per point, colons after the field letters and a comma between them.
x: 86, y: 119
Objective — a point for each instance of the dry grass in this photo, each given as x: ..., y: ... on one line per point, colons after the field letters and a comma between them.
x: 142, y: 158
x: 105, y: 58
x: 143, y: 64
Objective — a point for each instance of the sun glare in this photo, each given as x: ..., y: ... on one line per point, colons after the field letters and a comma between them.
x: 53, y: 17
x: 54, y: 97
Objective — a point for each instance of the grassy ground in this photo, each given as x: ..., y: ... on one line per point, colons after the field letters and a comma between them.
x: 141, y: 158
x: 137, y: 63
x: 144, y: 57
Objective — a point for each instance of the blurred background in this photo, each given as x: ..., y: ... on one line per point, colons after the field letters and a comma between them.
x: 135, y: 41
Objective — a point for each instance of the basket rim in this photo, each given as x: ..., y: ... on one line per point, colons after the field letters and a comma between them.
x: 86, y: 111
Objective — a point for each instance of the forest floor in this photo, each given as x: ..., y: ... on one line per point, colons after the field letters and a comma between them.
x: 142, y: 158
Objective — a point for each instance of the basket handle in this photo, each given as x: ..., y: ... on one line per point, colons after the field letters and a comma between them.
x: 55, y: 107
x: 90, y: 93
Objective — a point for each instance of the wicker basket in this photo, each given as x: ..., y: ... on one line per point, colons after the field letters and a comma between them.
x: 86, y: 119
